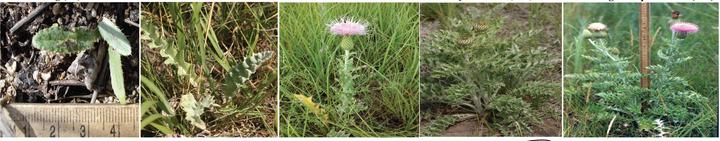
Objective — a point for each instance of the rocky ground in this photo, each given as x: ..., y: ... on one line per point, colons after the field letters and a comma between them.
x: 36, y: 76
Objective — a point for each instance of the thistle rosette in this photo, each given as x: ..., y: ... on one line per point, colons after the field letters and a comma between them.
x: 348, y: 26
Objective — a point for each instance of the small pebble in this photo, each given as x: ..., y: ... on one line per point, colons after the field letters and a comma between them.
x: 45, y: 76
x: 36, y: 77
x: 134, y: 62
x: 89, y: 6
x: 57, y: 9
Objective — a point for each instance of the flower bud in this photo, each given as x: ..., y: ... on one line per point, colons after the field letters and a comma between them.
x: 675, y: 15
x: 586, y: 34
x: 480, y: 26
x: 464, y: 41
x: 346, y: 43
x: 681, y: 35
x: 615, y: 51
x: 599, y: 34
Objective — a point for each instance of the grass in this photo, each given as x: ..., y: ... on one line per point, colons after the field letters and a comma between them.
x: 521, y: 18
x: 386, y: 58
x: 210, y: 38
x: 622, y: 20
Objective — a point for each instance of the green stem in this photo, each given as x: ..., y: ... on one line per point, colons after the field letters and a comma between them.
x: 346, y: 72
x: 346, y: 91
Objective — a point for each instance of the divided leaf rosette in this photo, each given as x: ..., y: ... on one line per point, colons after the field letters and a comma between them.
x: 237, y: 76
x: 56, y: 39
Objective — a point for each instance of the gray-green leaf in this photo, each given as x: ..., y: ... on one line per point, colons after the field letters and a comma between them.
x: 116, y: 74
x: 115, y: 38
x: 193, y: 109
x: 242, y: 71
x: 56, y: 39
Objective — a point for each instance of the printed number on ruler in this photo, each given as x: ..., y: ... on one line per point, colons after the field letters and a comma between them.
x: 73, y: 120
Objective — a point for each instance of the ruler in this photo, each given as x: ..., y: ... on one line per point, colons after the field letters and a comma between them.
x: 72, y: 120
x: 645, y: 47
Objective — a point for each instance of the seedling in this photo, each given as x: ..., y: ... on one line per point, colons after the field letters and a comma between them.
x: 57, y: 39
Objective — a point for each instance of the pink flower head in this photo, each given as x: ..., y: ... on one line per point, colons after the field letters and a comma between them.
x: 684, y: 27
x: 347, y: 26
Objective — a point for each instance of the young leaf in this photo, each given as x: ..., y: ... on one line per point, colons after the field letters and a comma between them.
x: 242, y: 71
x: 307, y: 101
x: 193, y: 109
x: 116, y: 74
x: 56, y: 39
x: 115, y: 38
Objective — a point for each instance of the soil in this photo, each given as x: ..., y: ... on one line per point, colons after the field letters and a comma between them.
x: 517, y: 14
x: 25, y: 69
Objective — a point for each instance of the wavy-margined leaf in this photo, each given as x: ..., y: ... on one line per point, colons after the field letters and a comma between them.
x: 315, y: 108
x: 149, y: 33
x: 193, y: 109
x: 56, y: 39
x: 173, y: 56
x: 237, y: 76
x: 114, y: 37
x: 177, y: 57
x: 116, y: 74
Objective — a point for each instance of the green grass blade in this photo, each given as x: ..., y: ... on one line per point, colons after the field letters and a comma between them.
x: 162, y: 128
x: 165, y: 106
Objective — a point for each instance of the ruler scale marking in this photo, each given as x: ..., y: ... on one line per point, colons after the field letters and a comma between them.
x: 645, y: 48
x: 61, y: 119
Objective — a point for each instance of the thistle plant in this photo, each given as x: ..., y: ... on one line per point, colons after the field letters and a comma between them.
x: 347, y: 27
x: 660, y: 128
x: 59, y: 40
x: 470, y: 69
x: 617, y: 89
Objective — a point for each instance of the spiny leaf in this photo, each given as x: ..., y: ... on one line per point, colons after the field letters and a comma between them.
x: 237, y: 76
x: 172, y: 55
x: 315, y: 108
x: 193, y: 109
x: 438, y: 126
x: 56, y: 39
x: 116, y: 74
x: 115, y: 38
